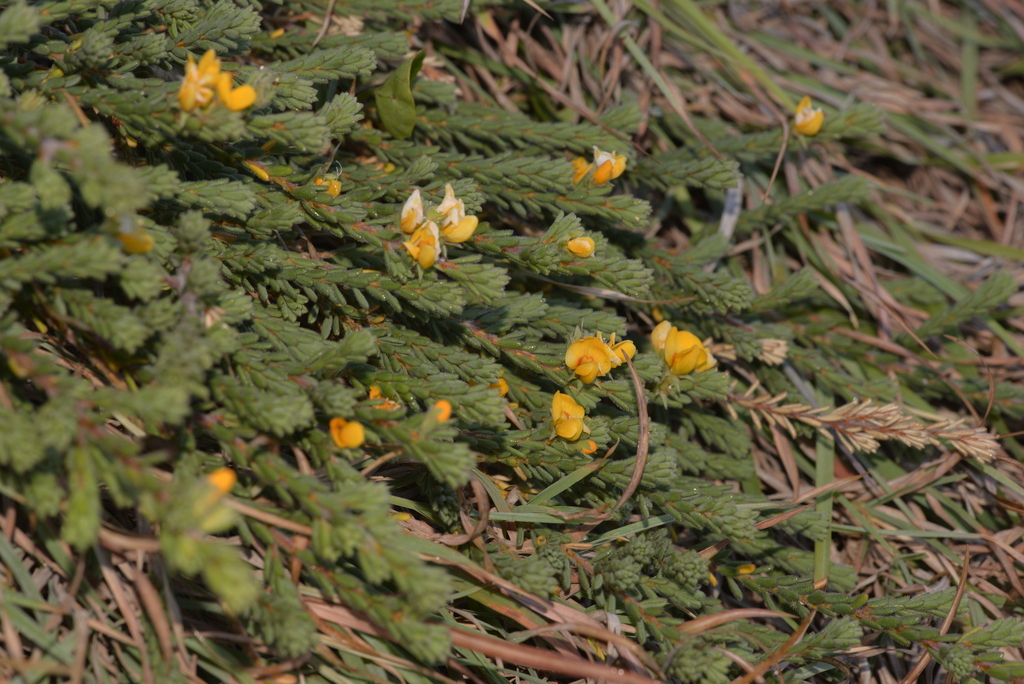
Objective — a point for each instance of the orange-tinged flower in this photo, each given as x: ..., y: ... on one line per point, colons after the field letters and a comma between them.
x: 501, y: 386
x: 581, y: 247
x: 590, y: 358
x: 197, y: 87
x: 235, y: 99
x: 581, y: 167
x: 444, y: 409
x: 136, y: 242
x: 567, y: 416
x: 412, y: 212
x: 347, y: 434
x: 591, y: 447
x: 461, y: 231
x: 683, y: 351
x: 808, y: 119
x: 424, y: 244
x: 386, y: 404
x: 609, y: 165
x: 223, y: 479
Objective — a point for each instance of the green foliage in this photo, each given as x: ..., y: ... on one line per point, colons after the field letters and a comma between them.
x: 187, y: 291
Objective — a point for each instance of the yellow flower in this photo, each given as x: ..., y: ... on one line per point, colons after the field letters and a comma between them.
x: 386, y: 404
x: 581, y: 167
x: 590, y: 358
x: 456, y: 226
x: 622, y: 349
x: 567, y: 416
x: 200, y: 80
x: 347, y: 434
x: 461, y: 231
x: 591, y: 447
x: 683, y: 352
x: 581, y: 247
x: 277, y: 33
x: 412, y: 212
x: 808, y: 119
x: 333, y: 186
x: 451, y: 207
x: 444, y: 409
x: 424, y: 244
x: 660, y: 334
x: 223, y: 479
x: 501, y: 386
x: 609, y: 165
x: 136, y: 242
x: 236, y: 99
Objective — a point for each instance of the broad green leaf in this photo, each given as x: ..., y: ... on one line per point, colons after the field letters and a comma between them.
x: 395, y: 105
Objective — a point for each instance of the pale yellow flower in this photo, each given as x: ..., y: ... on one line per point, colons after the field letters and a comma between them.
x: 412, y: 212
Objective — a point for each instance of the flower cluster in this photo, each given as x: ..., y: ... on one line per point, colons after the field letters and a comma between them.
x: 425, y: 227
x: 606, y: 166
x: 808, y: 119
x: 681, y: 349
x: 204, y: 80
x: 592, y: 357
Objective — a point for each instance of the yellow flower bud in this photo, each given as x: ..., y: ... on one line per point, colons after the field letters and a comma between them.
x: 581, y: 247
x: 501, y: 386
x: 136, y: 242
x: 223, y: 479
x: 258, y: 171
x: 444, y: 409
x: 808, y: 119
x: 347, y: 434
